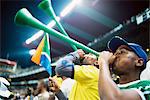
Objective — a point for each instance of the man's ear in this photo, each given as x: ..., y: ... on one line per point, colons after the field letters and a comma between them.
x: 139, y: 62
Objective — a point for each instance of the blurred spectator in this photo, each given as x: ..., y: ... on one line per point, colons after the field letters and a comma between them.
x: 54, y: 86
x: 52, y: 96
x: 17, y: 97
x: 65, y: 87
x: 42, y: 93
x: 29, y: 94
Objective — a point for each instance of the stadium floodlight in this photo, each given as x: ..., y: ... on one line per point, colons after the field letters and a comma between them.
x: 69, y: 7
x: 34, y: 37
x: 40, y: 33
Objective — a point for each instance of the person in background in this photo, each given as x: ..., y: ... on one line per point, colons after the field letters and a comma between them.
x: 42, y: 93
x: 127, y: 60
x: 52, y: 96
x: 29, y: 94
x: 55, y: 88
x: 66, y: 85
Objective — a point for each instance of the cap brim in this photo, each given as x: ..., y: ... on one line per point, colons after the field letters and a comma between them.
x: 116, y: 42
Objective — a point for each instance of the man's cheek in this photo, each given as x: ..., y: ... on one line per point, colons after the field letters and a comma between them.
x: 125, y: 62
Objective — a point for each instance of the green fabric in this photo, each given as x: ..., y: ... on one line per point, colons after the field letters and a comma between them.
x: 46, y: 47
x: 142, y: 85
x: 47, y: 7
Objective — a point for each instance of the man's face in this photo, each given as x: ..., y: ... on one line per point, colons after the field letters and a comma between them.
x: 89, y: 60
x: 124, y: 60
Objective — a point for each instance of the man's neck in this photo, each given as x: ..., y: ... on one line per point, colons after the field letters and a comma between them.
x: 126, y: 78
x: 43, y: 90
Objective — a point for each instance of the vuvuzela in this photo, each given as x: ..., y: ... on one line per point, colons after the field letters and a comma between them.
x: 24, y: 17
x: 46, y: 6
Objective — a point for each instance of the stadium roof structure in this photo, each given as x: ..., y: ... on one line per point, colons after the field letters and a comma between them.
x: 7, y: 62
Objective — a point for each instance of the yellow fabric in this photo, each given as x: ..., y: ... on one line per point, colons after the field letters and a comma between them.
x: 86, y: 85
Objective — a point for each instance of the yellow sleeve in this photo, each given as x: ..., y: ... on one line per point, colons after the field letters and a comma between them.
x: 85, y: 73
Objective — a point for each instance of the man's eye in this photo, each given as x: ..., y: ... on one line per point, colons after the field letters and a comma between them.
x: 122, y: 51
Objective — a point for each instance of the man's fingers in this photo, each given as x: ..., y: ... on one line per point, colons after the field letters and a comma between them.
x: 105, y: 53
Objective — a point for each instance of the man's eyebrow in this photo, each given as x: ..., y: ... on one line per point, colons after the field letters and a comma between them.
x: 125, y: 47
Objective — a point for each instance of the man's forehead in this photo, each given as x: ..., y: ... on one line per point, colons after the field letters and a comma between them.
x: 124, y: 47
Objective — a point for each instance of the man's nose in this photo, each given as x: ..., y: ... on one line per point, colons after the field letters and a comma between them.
x: 117, y: 53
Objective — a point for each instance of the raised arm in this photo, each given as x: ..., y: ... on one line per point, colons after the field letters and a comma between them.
x: 65, y: 65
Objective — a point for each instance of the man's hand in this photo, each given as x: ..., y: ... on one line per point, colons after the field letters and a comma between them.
x: 81, y: 53
x: 104, y: 57
x: 53, y: 85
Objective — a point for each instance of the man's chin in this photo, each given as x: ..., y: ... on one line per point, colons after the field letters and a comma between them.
x: 114, y: 69
x: 112, y: 65
x: 117, y: 71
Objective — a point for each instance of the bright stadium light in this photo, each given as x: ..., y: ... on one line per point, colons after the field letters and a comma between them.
x: 34, y: 37
x: 32, y: 51
x: 69, y: 7
x: 40, y: 33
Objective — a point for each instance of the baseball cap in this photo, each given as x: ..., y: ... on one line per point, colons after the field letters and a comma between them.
x: 117, y: 41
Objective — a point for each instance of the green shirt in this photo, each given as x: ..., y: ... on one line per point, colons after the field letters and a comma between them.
x: 141, y: 86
